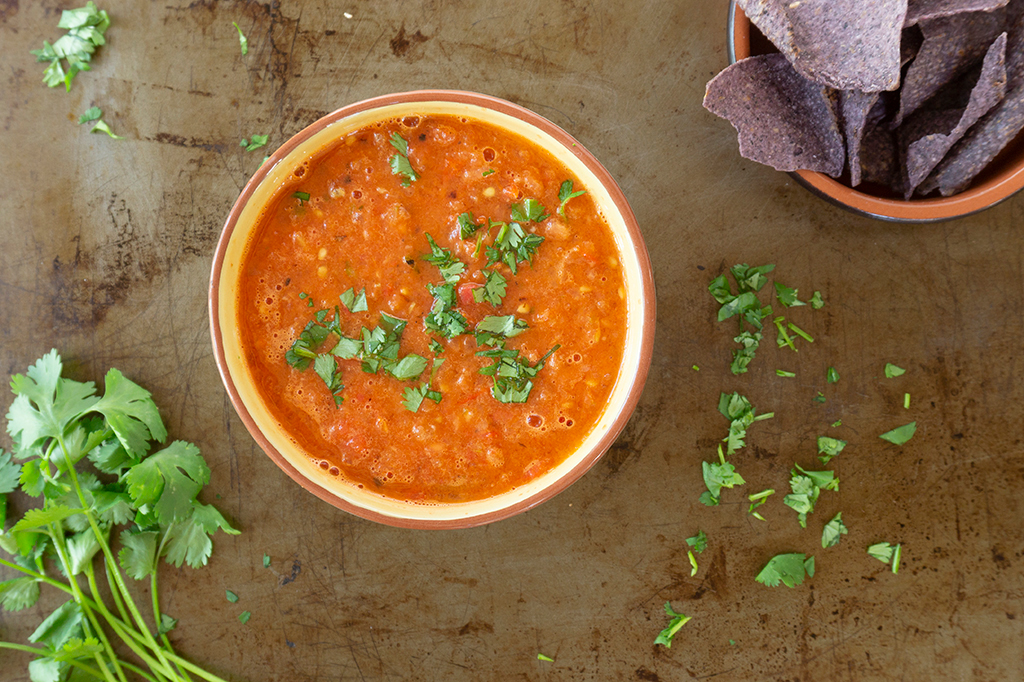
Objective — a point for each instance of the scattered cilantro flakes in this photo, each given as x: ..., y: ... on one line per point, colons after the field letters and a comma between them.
x: 741, y: 414
x: 244, y: 617
x: 820, y: 398
x: 832, y: 531
x: 742, y: 356
x: 100, y: 126
x: 886, y: 553
x: 85, y: 28
x: 758, y: 499
x: 266, y: 561
x: 487, y: 172
x: 906, y: 401
x: 677, y: 621
x: 301, y: 196
x: 693, y: 563
x: 467, y: 225
x: 892, y: 371
x: 832, y: 376
x: 326, y: 367
x: 717, y: 476
x: 784, y: 373
x: 493, y: 290
x: 565, y: 193
x: 901, y: 434
x: 413, y: 396
x: 242, y: 40
x: 451, y: 267
x: 255, y: 142
x: 531, y: 210
x: 838, y: 422
x: 806, y: 487
x: 829, y: 448
x: 512, y: 244
x: 443, y: 318
x: 699, y: 542
x: 400, y: 164
x: 91, y: 114
x: 788, y: 569
x: 896, y: 555
x: 231, y: 596
x: 816, y: 301
x: 696, y: 368
x: 787, y: 296
x: 547, y: 659
x: 513, y: 375
x: 800, y: 332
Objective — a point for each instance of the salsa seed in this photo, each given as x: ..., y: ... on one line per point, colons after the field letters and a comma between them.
x: 489, y: 192
x: 321, y: 271
x: 323, y: 253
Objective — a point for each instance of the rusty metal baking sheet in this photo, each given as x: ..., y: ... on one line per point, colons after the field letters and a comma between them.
x: 105, y: 252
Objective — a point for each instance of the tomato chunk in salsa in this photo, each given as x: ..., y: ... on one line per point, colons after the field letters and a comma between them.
x: 418, y: 244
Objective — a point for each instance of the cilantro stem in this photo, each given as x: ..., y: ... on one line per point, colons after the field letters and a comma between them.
x: 118, y: 602
x: 90, y: 575
x: 41, y: 577
x: 111, y: 560
x: 156, y: 619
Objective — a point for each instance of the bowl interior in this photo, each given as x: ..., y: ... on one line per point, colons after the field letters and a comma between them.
x: 1002, y: 178
x: 277, y: 173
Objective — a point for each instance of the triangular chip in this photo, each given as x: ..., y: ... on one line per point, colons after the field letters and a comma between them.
x: 783, y: 119
x: 845, y: 44
x: 854, y: 107
x: 923, y: 10
x: 929, y: 135
x: 952, y: 45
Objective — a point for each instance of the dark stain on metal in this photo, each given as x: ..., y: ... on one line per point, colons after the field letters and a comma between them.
x: 8, y: 8
x: 296, y: 569
x: 401, y: 43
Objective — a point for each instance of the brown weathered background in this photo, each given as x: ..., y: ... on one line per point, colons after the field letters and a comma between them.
x: 105, y: 251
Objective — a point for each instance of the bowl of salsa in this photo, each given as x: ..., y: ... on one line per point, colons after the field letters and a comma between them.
x: 433, y: 309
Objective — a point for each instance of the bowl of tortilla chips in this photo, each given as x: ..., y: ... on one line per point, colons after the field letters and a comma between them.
x: 902, y: 110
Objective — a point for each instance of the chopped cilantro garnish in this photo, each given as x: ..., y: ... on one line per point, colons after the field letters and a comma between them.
x: 881, y: 551
x: 301, y: 196
x: 91, y: 114
x: 513, y: 375
x: 830, y: 447
x: 565, y: 193
x: 788, y: 569
x: 530, y: 210
x: 231, y: 596
x: 906, y: 401
x: 451, y: 267
x: 751, y: 278
x: 244, y: 617
x: 742, y: 356
x: 717, y: 476
x: 102, y: 127
x: 435, y: 346
x: 492, y: 329
x: 266, y: 561
x: 327, y: 369
x: 242, y: 40
x: 787, y: 296
x: 699, y: 542
x: 488, y: 172
x: 741, y: 414
x: 400, y: 164
x: 512, y: 245
x: 677, y: 621
x: 820, y: 398
x: 255, y: 142
x: 85, y: 28
x: 542, y: 657
x: 896, y: 555
x: 806, y: 487
x: 443, y: 318
x: 696, y: 368
x: 892, y: 370
x: 832, y: 376
x: 838, y: 422
x: 467, y: 225
x: 783, y: 339
x: 784, y: 373
x: 693, y: 563
x: 493, y: 290
x: 901, y: 434
x: 833, y: 530
x: 356, y: 303
x: 800, y: 332
x: 95, y: 114
x: 303, y: 350
x: 758, y: 499
x: 816, y: 301
x: 414, y: 396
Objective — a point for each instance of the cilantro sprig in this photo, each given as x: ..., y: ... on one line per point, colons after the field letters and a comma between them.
x: 400, y: 164
x: 565, y: 193
x: 55, y: 424
x: 513, y: 375
x: 746, y: 306
x: 806, y: 487
x: 678, y: 620
x: 788, y: 569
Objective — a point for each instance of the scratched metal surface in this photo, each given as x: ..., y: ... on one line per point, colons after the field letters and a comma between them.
x: 105, y: 249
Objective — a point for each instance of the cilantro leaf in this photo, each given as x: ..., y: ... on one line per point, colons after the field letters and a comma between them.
x: 751, y: 278
x: 85, y: 32
x: 816, y: 301
x: 830, y: 447
x: 131, y: 413
x: 787, y: 296
x: 721, y: 475
x: 677, y: 621
x: 513, y: 375
x: 892, y: 371
x: 513, y: 245
x: 881, y: 551
x: 788, y: 569
x: 166, y: 624
x: 467, y: 225
x: 19, y: 593
x: 244, y: 617
x: 328, y: 370
x: 493, y: 290
x: 832, y: 376
x: 188, y: 541
x: 242, y: 40
x: 303, y: 350
x: 102, y: 127
x: 720, y: 289
x: 565, y: 193
x: 901, y: 434
x: 266, y: 561
x: 806, y: 487
x: 409, y: 367
x: 255, y: 142
x: 530, y: 210
x: 400, y: 164
x: 451, y: 267
x: 699, y: 542
x: 414, y: 396
x: 231, y: 596
x: 833, y: 530
x: 138, y: 553
x: 10, y: 473
x: 91, y: 114
x: 443, y: 318
x: 40, y: 518
x: 169, y: 480
x: 81, y: 549
x: 76, y: 648
x: 741, y: 414
x: 493, y: 328
x: 741, y: 357
x: 57, y: 628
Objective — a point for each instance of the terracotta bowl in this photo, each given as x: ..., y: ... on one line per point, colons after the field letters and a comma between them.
x: 274, y: 437
x: 1002, y: 179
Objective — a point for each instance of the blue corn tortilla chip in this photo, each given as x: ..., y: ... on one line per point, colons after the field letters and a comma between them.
x: 923, y: 10
x: 952, y: 46
x: 784, y: 120
x: 927, y: 136
x: 854, y: 107
x: 879, y: 158
x: 978, y: 147
x: 844, y: 44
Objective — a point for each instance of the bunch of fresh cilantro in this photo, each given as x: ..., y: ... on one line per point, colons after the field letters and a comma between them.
x: 88, y: 457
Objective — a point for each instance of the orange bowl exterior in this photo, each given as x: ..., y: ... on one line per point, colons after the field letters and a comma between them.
x: 1003, y: 178
x: 645, y: 284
